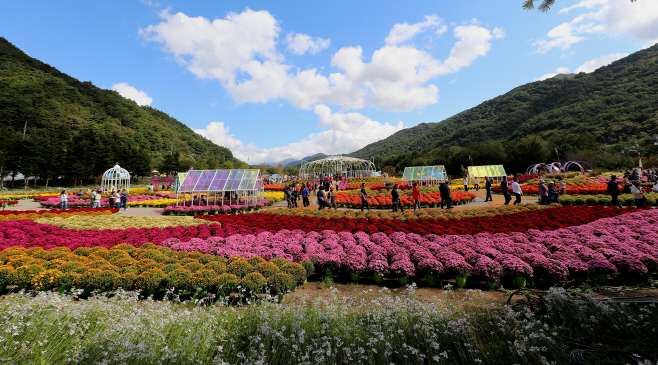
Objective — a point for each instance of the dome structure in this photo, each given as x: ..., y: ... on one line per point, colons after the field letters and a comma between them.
x: 116, y: 178
x: 337, y: 165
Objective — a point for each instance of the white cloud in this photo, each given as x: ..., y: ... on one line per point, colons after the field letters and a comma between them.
x: 616, y: 18
x: 560, y: 70
x: 346, y: 132
x: 301, y: 43
x: 241, y: 52
x: 402, y: 32
x: 131, y: 93
x: 498, y: 33
x: 592, y: 65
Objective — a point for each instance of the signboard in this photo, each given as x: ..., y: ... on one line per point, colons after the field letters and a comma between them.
x: 486, y: 171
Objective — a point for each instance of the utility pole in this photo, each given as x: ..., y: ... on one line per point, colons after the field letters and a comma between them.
x: 24, y: 129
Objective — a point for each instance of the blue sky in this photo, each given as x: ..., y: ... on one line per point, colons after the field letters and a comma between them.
x: 273, y: 80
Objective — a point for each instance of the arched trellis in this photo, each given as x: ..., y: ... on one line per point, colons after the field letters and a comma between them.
x: 116, y: 178
x: 577, y: 163
x: 337, y: 165
x: 551, y: 168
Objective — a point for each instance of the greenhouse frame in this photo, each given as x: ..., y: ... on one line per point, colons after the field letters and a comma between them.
x: 495, y: 171
x: 337, y: 165
x: 221, y: 187
x: 116, y: 178
x: 424, y: 175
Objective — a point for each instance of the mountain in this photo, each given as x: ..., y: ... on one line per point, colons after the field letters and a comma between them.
x: 615, y: 103
x: 293, y: 162
x: 53, y: 125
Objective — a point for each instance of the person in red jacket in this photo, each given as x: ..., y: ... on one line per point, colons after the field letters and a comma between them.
x: 415, y: 193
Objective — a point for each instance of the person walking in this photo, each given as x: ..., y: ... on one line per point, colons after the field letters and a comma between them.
x: 465, y: 181
x: 396, y: 199
x: 111, y: 199
x: 322, y: 198
x: 613, y: 190
x: 477, y: 183
x: 516, y: 190
x: 505, y: 189
x: 415, y: 194
x: 364, y: 197
x: 63, y: 200
x: 293, y: 197
x: 638, y: 194
x: 563, y: 185
x: 286, y: 194
x: 124, y: 200
x: 552, y: 193
x: 487, y: 185
x: 305, y: 194
x: 444, y: 190
x: 543, y: 192
x: 331, y: 198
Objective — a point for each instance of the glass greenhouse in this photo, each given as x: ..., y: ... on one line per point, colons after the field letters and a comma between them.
x: 337, y: 165
x: 221, y: 187
x: 424, y: 175
x: 479, y: 172
x: 116, y: 178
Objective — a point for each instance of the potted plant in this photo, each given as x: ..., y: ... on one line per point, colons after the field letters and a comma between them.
x: 431, y: 268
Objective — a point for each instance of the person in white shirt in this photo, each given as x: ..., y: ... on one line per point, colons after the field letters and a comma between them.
x: 655, y: 187
x: 638, y: 194
x: 92, y: 199
x: 516, y: 190
x: 63, y: 200
x: 465, y: 181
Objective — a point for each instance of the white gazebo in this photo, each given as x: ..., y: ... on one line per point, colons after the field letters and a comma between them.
x: 116, y: 178
x: 340, y: 165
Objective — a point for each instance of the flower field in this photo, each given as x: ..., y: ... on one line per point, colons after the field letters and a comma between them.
x: 601, y: 199
x: 386, y: 201
x: 34, y: 214
x: 571, y: 189
x: 102, y: 222
x: 8, y: 203
x: 148, y: 267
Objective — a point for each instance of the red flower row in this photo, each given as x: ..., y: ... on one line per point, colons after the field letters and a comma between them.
x: 545, y: 219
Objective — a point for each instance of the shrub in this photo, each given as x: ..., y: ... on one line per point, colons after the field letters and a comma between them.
x: 23, y: 275
x: 193, y: 266
x: 75, y: 267
x: 150, y: 280
x: 267, y: 268
x: 178, y: 279
x: 145, y: 265
x: 254, y: 261
x: 216, y: 266
x: 281, y: 283
x: 254, y: 282
x: 47, y: 279
x: 279, y: 261
x: 126, y: 281
x: 171, y: 268
x: 225, y: 283
x: 295, y: 270
x: 5, y: 273
x: 202, y: 279
x: 107, y: 279
x: 88, y: 279
x: 239, y: 268
x: 308, y: 266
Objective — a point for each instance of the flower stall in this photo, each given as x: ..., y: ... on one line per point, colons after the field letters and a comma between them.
x: 221, y: 187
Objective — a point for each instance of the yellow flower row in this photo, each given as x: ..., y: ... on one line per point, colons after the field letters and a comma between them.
x: 64, y: 214
x: 274, y: 196
x: 153, y: 203
x: 119, y: 222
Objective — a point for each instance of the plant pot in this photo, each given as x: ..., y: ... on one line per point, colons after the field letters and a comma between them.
x: 490, y: 283
x: 520, y: 281
x: 431, y: 279
x: 601, y: 278
x: 354, y: 277
x: 402, y: 280
x: 378, y: 278
x: 461, y: 281
x: 328, y: 273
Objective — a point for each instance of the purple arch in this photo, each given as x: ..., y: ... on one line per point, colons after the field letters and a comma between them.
x: 577, y: 163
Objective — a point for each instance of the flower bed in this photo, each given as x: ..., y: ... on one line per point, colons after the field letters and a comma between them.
x: 571, y: 189
x: 386, y: 201
x: 80, y: 222
x: 410, y: 214
x: 136, y: 200
x: 517, y: 222
x: 149, y: 268
x: 600, y: 199
x: 212, y: 209
x: 33, y: 214
x: 626, y: 244
x: 8, y: 203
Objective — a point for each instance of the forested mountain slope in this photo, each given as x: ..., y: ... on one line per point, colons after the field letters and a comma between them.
x: 615, y: 103
x: 77, y: 130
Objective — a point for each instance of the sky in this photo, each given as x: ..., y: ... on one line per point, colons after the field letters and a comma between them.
x: 272, y: 80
